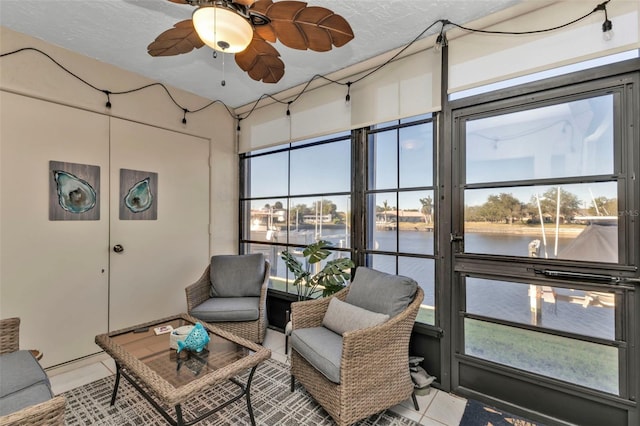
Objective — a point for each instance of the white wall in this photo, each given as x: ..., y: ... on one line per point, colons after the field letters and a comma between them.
x: 31, y: 74
x: 30, y: 82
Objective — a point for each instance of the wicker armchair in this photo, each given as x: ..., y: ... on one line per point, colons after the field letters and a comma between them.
x: 253, y: 330
x: 374, y: 365
x: 48, y: 413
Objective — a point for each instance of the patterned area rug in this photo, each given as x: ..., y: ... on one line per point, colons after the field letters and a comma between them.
x: 478, y: 414
x: 272, y: 401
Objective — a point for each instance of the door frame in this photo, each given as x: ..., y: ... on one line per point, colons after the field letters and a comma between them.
x: 509, y: 388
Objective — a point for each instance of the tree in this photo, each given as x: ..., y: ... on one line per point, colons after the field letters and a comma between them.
x: 385, y: 207
x: 500, y: 207
x: 569, y: 203
x: 604, y: 206
x: 296, y: 214
x: 427, y: 209
x: 325, y: 207
x: 473, y: 214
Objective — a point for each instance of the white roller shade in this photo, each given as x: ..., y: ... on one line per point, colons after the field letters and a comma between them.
x: 477, y: 59
x: 266, y: 126
x: 404, y: 88
x: 320, y: 112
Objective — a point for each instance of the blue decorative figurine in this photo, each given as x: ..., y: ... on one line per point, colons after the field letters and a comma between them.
x: 196, y: 340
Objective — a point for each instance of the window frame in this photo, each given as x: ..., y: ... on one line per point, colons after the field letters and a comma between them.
x: 245, y: 199
x: 366, y: 251
x: 513, y: 268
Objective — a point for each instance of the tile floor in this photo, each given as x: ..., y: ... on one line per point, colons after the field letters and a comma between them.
x: 436, y: 409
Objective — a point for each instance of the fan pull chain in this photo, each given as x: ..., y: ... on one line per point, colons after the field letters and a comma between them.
x: 223, y: 82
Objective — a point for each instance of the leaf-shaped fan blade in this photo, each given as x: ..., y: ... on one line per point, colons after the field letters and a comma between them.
x: 301, y: 27
x: 266, y: 32
x: 182, y: 38
x: 244, y: 2
x: 179, y: 1
x: 261, y: 61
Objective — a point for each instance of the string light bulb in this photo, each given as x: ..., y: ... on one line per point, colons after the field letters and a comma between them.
x: 441, y: 41
x: 607, y: 25
x: 108, y: 104
x: 607, y: 29
x: 347, y: 98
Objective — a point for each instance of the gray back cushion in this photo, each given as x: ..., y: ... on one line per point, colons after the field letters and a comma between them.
x: 380, y: 292
x: 237, y: 275
x: 342, y: 317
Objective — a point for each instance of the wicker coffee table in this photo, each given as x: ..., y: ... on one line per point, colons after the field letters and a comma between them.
x: 162, y: 376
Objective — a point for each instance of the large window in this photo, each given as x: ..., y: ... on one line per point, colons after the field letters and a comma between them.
x: 541, y: 182
x: 295, y: 195
x: 302, y: 192
x: 400, y: 204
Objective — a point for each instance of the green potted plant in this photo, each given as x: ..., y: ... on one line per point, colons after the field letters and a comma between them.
x: 332, y: 278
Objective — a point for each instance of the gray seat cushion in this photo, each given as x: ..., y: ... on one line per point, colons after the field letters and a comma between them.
x: 321, y: 347
x: 23, y: 382
x: 222, y: 309
x: 237, y: 275
x: 19, y: 370
x: 34, y: 394
x: 380, y: 292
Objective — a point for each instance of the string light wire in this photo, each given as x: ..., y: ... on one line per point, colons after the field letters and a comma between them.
x: 240, y: 117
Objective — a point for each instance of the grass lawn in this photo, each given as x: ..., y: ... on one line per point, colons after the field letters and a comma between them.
x: 588, y: 364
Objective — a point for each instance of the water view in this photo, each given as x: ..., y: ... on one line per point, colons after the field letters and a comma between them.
x: 564, y: 309
x: 507, y: 301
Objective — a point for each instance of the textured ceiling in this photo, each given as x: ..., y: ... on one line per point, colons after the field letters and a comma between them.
x: 118, y: 32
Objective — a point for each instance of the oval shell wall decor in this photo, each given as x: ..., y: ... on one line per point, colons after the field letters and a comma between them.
x: 139, y: 197
x: 74, y: 191
x: 74, y: 194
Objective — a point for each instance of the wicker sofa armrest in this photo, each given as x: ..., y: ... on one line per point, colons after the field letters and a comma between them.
x: 9, y: 335
x: 264, y: 289
x: 48, y: 413
x: 309, y: 313
x: 265, y: 283
x: 198, y: 292
x: 383, y: 348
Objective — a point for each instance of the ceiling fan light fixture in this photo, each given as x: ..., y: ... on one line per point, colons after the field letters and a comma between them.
x: 222, y: 29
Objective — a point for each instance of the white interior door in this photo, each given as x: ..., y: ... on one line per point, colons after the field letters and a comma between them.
x: 160, y: 256
x: 53, y: 273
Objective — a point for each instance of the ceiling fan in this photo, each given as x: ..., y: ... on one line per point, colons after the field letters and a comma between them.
x: 246, y: 27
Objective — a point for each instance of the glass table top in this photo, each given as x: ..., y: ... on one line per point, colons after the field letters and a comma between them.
x: 179, y: 368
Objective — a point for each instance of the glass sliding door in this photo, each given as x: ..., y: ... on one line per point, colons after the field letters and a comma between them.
x: 543, y: 258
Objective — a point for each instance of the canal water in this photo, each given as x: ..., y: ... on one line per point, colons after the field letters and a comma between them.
x: 497, y: 299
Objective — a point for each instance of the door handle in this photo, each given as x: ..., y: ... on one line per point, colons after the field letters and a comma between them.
x: 454, y: 238
x: 118, y: 248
